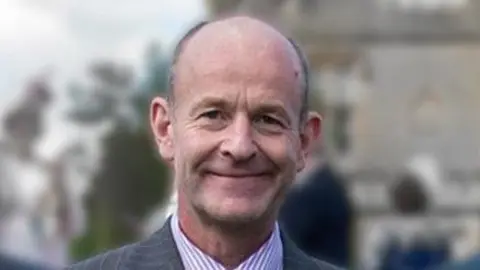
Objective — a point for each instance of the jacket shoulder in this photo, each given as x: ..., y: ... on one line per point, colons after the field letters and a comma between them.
x: 109, y: 260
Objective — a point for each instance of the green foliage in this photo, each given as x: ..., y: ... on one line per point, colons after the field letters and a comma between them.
x: 222, y: 6
x: 132, y: 180
x: 130, y: 184
x: 129, y: 165
x: 157, y: 71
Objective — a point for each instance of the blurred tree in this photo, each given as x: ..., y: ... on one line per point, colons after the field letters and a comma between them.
x: 222, y: 6
x: 131, y: 180
x: 24, y: 124
x: 109, y: 92
x: 157, y: 70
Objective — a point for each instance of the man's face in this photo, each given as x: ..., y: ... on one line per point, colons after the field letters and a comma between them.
x: 235, y: 138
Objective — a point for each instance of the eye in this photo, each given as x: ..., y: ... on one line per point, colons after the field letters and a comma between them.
x: 212, y: 114
x: 269, y: 120
x: 212, y: 119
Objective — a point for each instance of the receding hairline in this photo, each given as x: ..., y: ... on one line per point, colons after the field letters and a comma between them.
x: 193, y: 31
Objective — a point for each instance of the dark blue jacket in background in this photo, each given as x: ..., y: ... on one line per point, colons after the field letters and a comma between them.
x: 472, y: 263
x: 419, y: 255
x: 318, y: 217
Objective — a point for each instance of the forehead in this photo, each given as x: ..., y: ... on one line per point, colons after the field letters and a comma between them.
x: 243, y: 57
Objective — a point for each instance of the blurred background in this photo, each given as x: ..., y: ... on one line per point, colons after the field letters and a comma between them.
x: 396, y: 81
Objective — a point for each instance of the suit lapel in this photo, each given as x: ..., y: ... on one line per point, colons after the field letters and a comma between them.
x: 294, y: 258
x: 159, y: 252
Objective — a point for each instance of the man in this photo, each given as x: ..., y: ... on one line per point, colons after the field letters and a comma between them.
x: 235, y: 129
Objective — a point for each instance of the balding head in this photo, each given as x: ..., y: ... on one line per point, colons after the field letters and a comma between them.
x: 238, y: 131
x: 233, y: 40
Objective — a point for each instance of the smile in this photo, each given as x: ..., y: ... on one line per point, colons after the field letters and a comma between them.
x: 238, y: 175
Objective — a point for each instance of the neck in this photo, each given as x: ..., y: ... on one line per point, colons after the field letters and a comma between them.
x: 228, y: 245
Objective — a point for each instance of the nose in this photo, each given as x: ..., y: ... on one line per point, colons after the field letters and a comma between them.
x: 239, y: 144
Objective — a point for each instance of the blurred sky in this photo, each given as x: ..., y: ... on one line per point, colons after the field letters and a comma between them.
x: 64, y: 35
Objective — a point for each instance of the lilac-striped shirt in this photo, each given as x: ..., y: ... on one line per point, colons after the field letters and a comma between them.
x: 268, y: 257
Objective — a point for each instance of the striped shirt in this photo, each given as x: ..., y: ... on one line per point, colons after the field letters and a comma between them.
x: 268, y: 257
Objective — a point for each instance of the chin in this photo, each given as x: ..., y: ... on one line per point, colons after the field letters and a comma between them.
x: 235, y: 219
x: 235, y: 211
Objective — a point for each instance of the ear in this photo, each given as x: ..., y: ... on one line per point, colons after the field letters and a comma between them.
x: 161, y: 124
x: 309, y: 134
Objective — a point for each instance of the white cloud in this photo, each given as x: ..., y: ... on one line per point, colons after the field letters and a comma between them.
x: 67, y: 33
x: 20, y: 24
x: 125, y: 27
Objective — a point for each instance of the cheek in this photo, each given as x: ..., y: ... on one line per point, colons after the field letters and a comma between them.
x: 191, y: 147
x: 281, y: 150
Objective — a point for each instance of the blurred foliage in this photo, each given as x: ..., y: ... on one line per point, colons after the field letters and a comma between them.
x: 108, y: 90
x: 132, y: 180
x: 222, y: 6
x: 341, y: 116
x: 157, y: 71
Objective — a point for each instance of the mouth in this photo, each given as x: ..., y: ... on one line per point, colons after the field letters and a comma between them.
x: 239, y: 184
x: 239, y: 175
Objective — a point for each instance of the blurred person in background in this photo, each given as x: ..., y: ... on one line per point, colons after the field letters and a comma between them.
x: 318, y: 214
x: 235, y: 129
x: 472, y: 263
x: 415, y: 240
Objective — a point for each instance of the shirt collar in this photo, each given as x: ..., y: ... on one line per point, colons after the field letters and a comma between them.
x: 270, y: 254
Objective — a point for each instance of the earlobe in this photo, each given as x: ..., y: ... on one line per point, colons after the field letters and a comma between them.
x: 161, y: 127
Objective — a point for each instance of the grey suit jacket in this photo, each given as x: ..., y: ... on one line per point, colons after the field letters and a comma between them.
x: 10, y: 263
x: 159, y: 252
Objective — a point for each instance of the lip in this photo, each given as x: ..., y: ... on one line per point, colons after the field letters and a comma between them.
x: 238, y: 175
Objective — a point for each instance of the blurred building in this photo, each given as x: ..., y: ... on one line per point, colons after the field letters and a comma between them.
x: 398, y: 80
